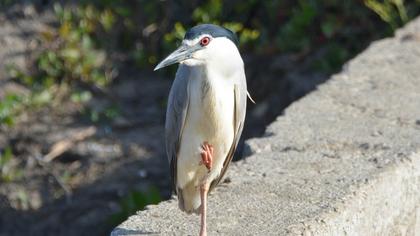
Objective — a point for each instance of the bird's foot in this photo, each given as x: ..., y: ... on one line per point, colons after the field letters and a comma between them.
x: 207, y: 155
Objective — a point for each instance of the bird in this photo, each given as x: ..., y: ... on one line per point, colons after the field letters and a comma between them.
x: 205, y: 113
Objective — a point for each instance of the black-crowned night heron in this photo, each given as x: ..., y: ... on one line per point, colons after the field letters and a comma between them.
x: 205, y: 114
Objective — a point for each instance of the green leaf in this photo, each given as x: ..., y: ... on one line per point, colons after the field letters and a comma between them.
x: 72, y: 54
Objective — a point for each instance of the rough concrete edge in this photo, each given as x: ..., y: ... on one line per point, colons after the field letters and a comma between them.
x: 357, y: 213
x: 400, y: 180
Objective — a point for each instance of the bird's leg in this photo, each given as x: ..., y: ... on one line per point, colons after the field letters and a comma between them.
x: 207, y: 160
x: 207, y: 155
x: 204, y: 188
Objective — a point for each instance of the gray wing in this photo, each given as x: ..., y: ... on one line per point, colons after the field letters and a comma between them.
x: 176, y: 113
x: 240, y: 93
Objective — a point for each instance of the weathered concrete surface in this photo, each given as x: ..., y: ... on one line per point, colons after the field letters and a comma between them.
x: 344, y: 160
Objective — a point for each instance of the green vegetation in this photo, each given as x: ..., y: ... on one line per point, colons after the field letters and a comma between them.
x: 133, y: 202
x: 8, y: 170
x: 394, y: 12
x: 74, y: 54
x: 84, y: 52
x: 71, y: 58
x: 9, y: 107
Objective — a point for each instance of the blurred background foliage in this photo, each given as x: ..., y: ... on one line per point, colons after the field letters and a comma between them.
x: 133, y: 202
x: 91, y: 44
x: 93, y: 40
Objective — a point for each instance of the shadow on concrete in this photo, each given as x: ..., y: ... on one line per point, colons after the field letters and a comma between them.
x: 122, y: 231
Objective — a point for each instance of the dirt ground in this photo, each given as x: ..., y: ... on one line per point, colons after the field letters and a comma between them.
x: 78, y: 191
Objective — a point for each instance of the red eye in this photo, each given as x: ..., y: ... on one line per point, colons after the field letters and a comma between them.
x: 204, y: 41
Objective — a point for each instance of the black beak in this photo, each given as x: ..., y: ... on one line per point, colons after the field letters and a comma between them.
x: 184, y: 52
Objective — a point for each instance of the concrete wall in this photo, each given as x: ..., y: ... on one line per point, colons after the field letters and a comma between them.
x: 344, y: 160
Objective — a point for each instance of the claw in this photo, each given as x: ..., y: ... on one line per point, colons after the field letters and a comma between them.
x: 207, y: 155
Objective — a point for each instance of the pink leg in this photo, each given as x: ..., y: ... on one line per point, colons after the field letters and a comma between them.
x: 203, y: 193
x: 207, y: 160
x: 207, y: 155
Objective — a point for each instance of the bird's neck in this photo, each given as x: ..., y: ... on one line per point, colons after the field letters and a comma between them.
x: 224, y: 68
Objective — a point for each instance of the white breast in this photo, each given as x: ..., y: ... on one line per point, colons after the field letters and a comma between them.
x: 209, y: 118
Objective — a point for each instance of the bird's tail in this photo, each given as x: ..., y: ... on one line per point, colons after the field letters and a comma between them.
x: 189, y: 199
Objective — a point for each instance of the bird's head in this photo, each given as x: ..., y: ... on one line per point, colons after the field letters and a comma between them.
x: 205, y: 44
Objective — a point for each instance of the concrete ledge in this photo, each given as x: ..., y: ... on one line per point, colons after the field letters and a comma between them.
x: 344, y: 160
